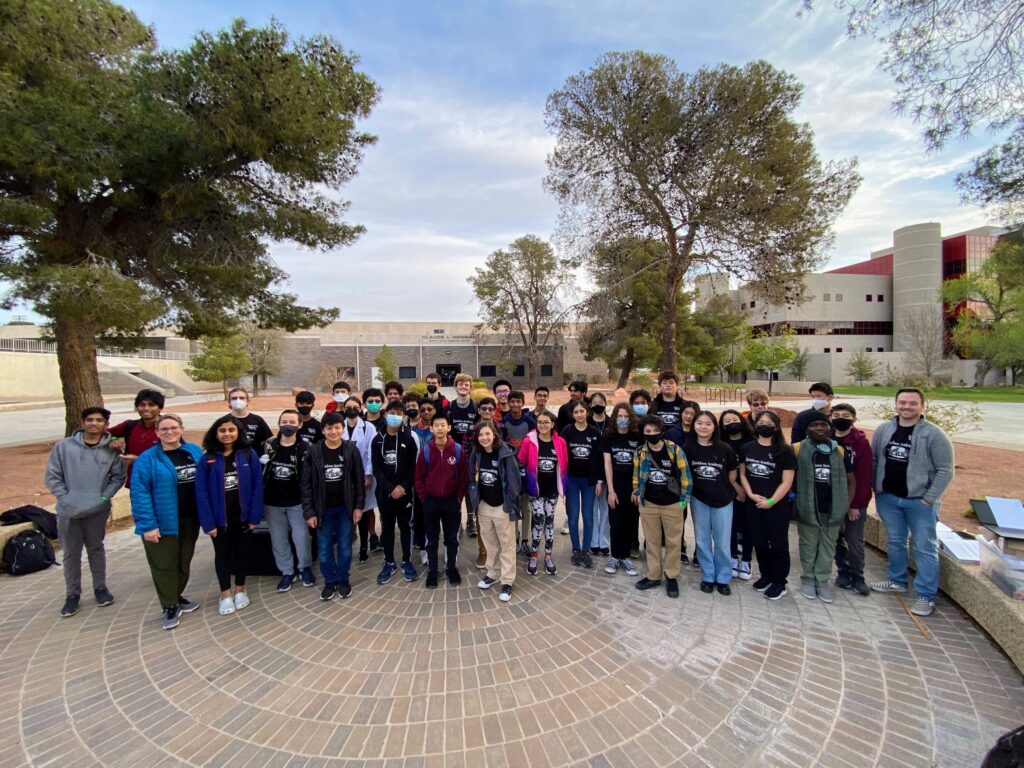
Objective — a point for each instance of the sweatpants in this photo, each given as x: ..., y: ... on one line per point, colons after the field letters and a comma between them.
x: 622, y: 521
x: 769, y: 533
x: 850, y: 547
x: 542, y: 518
x: 231, y: 555
x: 438, y: 515
x: 170, y: 560
x: 392, y: 512
x: 817, y: 548
x: 288, y: 526
x: 74, y: 534
x: 655, y: 518
x: 499, y: 533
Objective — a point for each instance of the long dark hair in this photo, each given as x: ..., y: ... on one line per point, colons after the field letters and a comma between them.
x: 612, y: 430
x: 212, y: 445
x: 779, y: 443
x: 746, y: 431
x: 716, y: 436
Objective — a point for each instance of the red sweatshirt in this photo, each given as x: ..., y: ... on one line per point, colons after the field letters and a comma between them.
x: 446, y: 476
x: 857, y: 446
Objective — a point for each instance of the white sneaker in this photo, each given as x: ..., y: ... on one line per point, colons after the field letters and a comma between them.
x: 424, y: 560
x: 628, y: 567
x: 227, y: 606
x: 613, y: 565
x: 565, y: 529
x: 735, y: 567
x: 923, y: 607
x: 241, y: 600
x: 744, y: 570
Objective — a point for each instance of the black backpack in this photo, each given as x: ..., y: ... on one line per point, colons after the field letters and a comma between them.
x: 28, y: 552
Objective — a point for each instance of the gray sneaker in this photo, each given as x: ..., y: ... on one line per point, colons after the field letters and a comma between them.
x: 825, y: 594
x: 887, y: 586
x: 613, y: 565
x: 172, y: 617
x: 922, y: 607
x: 808, y: 591
x: 628, y: 567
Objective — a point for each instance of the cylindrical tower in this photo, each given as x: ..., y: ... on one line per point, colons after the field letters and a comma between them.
x: 916, y: 279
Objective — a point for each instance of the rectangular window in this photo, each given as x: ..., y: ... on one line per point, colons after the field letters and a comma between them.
x: 839, y: 297
x: 867, y: 297
x: 839, y: 349
x: 881, y: 298
x: 827, y: 350
x: 868, y: 349
x: 407, y: 371
x: 520, y: 370
x: 752, y: 303
x: 439, y: 331
x: 547, y: 370
x: 488, y: 370
x: 879, y: 349
x: 827, y: 297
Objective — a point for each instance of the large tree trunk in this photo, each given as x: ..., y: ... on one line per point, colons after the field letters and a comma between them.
x: 76, y: 362
x: 628, y: 359
x: 532, y: 369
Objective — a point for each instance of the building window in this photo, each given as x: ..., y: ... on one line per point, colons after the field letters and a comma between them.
x: 881, y: 298
x: 407, y: 371
x: 488, y: 370
x: 839, y: 297
x: 879, y: 349
x: 867, y: 297
x: 439, y: 331
x: 519, y: 370
x: 752, y: 303
x: 743, y: 305
x: 827, y: 350
x: 839, y: 349
x: 826, y: 297
x: 547, y: 370
x: 868, y: 349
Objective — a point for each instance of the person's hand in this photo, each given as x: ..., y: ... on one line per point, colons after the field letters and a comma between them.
x: 757, y: 498
x: 926, y: 503
x: 398, y: 492
x: 741, y: 495
x: 613, y: 500
x: 636, y: 499
x: 116, y: 444
x: 128, y: 459
x: 599, y: 489
x: 763, y: 504
x: 367, y: 482
x: 357, y: 515
x: 311, y: 523
x: 853, y: 515
x: 153, y: 537
x: 213, y: 534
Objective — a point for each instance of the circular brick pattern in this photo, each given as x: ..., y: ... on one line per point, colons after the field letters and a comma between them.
x: 579, y: 669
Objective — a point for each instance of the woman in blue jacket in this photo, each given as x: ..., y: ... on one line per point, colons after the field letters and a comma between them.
x: 165, y: 511
x: 229, y: 489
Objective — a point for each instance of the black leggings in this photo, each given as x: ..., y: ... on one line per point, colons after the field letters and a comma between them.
x: 769, y: 531
x: 741, y: 543
x: 231, y: 555
x: 367, y: 526
x: 623, y: 519
x: 394, y: 511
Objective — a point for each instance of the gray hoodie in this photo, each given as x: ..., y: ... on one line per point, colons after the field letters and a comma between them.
x: 80, y: 475
x: 930, y: 467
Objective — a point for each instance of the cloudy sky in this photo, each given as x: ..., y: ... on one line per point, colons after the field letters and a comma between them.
x: 457, y: 169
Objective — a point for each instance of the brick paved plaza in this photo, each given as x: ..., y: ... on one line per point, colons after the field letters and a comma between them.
x: 580, y: 669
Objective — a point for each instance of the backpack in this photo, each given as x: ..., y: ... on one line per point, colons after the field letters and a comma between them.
x: 426, y: 451
x: 28, y: 552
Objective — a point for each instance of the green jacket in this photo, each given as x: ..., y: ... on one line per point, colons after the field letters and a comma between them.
x: 806, y: 499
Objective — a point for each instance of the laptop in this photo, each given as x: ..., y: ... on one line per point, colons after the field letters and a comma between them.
x: 987, y: 519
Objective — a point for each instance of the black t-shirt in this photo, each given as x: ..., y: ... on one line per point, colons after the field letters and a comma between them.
x: 709, y: 467
x: 823, y: 479
x: 334, y: 473
x: 462, y: 419
x: 282, y: 489
x: 662, y: 470
x: 232, y: 504
x: 256, y: 431
x: 763, y: 469
x: 489, y: 481
x: 622, y: 449
x: 582, y: 445
x: 311, y: 431
x: 547, y: 468
x: 670, y: 413
x: 185, y: 466
x: 897, y: 456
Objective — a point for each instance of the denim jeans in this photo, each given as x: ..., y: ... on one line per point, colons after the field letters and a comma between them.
x: 911, y: 516
x: 599, y: 534
x: 579, y: 499
x: 712, y: 528
x: 335, y: 531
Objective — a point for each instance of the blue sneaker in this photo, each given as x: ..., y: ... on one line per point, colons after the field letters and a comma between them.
x: 308, y: 579
x: 408, y: 572
x: 285, y: 583
x: 386, y: 572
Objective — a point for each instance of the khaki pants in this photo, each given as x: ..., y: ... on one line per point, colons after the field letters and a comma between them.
x: 656, y: 519
x: 499, y: 536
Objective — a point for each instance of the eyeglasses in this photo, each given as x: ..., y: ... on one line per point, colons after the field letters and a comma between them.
x: 502, y: 391
x: 485, y: 408
x: 169, y: 429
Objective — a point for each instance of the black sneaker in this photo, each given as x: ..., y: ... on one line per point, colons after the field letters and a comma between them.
x: 103, y: 597
x: 844, y: 582
x: 344, y: 589
x: 672, y: 587
x: 70, y: 606
x: 762, y: 584
x: 327, y: 593
x: 454, y: 578
x: 285, y: 583
x: 723, y: 589
x: 431, y: 582
x: 683, y: 559
x: 586, y: 560
x: 506, y: 593
x: 595, y: 551
x: 860, y: 587
x: 646, y: 583
x: 577, y: 557
x: 707, y: 587
x: 605, y: 551
x: 187, y: 606
x: 363, y: 557
x: 172, y: 617
x: 471, y: 527
x: 374, y: 542
x: 775, y: 591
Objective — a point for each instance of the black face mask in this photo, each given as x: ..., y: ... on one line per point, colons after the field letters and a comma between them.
x: 351, y: 412
x: 652, y: 439
x: 412, y: 414
x: 431, y: 388
x: 597, y: 409
x: 305, y: 410
x: 288, y: 430
x: 733, y: 429
x: 842, y: 424
x: 765, y: 430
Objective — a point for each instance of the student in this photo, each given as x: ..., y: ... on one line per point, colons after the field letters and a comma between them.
x: 229, y: 497
x: 493, y: 493
x: 545, y: 458
x: 661, y: 490
x: 333, y: 491
x: 736, y: 432
x: 821, y: 403
x: 255, y: 429
x: 540, y: 400
x: 767, y: 469
x: 586, y: 466
x: 577, y: 391
x: 640, y: 402
x: 423, y: 434
x: 410, y: 409
x: 361, y: 433
x: 462, y: 417
x: 393, y: 390
x: 282, y: 501
x: 165, y: 510
x: 850, y: 542
x: 682, y: 430
x: 667, y: 405
x: 373, y: 402
x: 422, y: 426
x: 913, y: 465
x: 600, y: 534
x: 714, y: 468
x: 757, y: 402
x: 83, y: 474
x: 441, y: 476
x: 518, y: 423
x: 824, y: 486
x: 433, y: 384
x: 130, y: 438
x: 394, y: 467
x: 502, y: 389
x: 340, y: 392
x: 621, y: 441
x: 488, y: 410
x: 310, y: 430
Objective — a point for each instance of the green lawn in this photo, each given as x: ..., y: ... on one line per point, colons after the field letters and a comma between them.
x: 974, y: 395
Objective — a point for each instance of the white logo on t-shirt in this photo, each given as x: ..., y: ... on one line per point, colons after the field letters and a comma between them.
x: 706, y: 471
x: 623, y: 457
x: 823, y: 473
x: 757, y: 469
x: 488, y: 477
x: 187, y: 474
x: 581, y: 451
x: 283, y: 471
x: 657, y: 477
x: 231, y: 481
x: 898, y: 452
x: 546, y: 465
x: 332, y: 473
x: 391, y: 457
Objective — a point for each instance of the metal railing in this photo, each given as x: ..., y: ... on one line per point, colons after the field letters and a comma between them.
x: 49, y: 348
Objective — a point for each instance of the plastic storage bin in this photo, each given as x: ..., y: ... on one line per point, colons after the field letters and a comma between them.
x: 1005, y: 571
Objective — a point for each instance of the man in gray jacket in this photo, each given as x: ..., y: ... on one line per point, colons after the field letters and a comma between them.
x: 84, y: 476
x: 912, y: 466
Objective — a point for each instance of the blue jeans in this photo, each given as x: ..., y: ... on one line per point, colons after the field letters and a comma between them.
x: 579, y: 498
x: 910, y: 516
x: 712, y: 528
x: 335, y: 530
x: 599, y: 535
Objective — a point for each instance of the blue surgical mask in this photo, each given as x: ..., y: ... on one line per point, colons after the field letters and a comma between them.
x: 394, y: 420
x: 640, y: 409
x: 374, y: 407
x: 622, y: 422
x: 825, y: 448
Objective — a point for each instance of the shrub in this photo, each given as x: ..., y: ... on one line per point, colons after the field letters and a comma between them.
x: 418, y: 388
x: 479, y: 393
x: 643, y: 381
x: 951, y: 419
x: 479, y: 384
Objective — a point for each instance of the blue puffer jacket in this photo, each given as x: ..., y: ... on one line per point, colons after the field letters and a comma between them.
x: 210, y: 489
x: 155, y: 490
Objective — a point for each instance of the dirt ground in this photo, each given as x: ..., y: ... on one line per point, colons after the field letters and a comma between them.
x: 980, y: 471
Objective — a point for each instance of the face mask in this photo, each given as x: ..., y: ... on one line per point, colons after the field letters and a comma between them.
x: 412, y: 414
x: 765, y: 430
x: 431, y: 388
x: 652, y: 439
x: 640, y: 409
x: 598, y: 409
x: 825, y: 447
x: 374, y: 407
x: 393, y: 420
x: 340, y: 397
x: 352, y: 412
x: 238, y: 404
x: 288, y: 430
x: 305, y: 410
x: 622, y: 422
x: 818, y: 404
x: 842, y: 424
x: 733, y: 429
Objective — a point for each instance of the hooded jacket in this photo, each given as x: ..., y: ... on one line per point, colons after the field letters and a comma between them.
x: 155, y: 490
x: 858, y: 448
x: 403, y: 472
x: 210, y: 499
x: 80, y: 475
x: 311, y: 480
x: 508, y: 474
x: 529, y: 456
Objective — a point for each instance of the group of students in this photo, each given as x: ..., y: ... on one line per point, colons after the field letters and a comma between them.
x: 420, y: 462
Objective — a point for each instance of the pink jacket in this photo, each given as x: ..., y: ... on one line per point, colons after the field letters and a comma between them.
x: 529, y: 453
